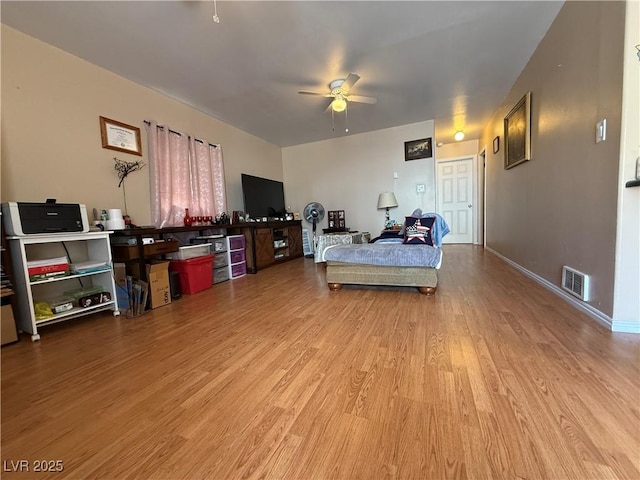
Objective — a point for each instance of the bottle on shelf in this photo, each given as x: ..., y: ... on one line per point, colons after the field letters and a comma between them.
x: 187, y: 218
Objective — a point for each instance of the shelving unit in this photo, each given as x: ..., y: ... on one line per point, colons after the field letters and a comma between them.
x: 237, y: 263
x: 258, y: 242
x: 8, y: 331
x: 277, y: 243
x: 280, y: 244
x: 221, y: 260
x: 93, y: 246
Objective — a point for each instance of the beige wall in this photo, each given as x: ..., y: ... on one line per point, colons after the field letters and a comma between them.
x: 560, y: 207
x: 457, y: 149
x: 51, y: 145
x: 348, y: 173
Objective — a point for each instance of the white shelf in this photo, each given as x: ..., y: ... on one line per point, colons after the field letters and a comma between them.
x: 75, y: 312
x: 92, y: 246
x: 69, y: 277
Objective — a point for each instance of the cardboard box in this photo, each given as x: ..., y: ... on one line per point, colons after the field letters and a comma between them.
x: 8, y: 332
x: 158, y: 278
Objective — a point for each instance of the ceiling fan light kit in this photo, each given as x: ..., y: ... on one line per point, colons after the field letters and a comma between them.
x: 339, y: 104
x: 339, y: 91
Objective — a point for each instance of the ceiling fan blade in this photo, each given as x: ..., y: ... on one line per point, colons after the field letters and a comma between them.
x: 306, y: 92
x: 351, y: 79
x: 362, y: 99
x: 328, y: 109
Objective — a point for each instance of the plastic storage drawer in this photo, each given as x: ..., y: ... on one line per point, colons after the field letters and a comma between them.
x: 236, y: 256
x: 236, y: 242
x: 220, y: 261
x: 238, y: 270
x: 220, y: 275
x: 219, y: 245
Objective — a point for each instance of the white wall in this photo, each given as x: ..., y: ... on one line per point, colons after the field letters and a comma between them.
x: 348, y: 173
x: 626, y: 306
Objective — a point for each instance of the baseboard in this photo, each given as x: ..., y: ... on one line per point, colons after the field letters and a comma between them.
x: 597, y: 315
x: 625, y: 327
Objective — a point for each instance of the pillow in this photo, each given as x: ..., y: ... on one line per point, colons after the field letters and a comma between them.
x: 394, y: 235
x: 418, y: 231
x: 416, y: 213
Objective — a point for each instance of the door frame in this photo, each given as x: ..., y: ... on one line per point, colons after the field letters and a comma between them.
x: 476, y: 237
x: 482, y: 196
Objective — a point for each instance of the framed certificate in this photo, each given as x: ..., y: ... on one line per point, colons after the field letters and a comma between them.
x: 120, y: 136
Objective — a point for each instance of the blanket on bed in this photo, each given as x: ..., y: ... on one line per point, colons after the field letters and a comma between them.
x: 389, y: 254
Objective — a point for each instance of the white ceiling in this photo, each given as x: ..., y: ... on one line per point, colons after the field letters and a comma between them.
x: 451, y: 61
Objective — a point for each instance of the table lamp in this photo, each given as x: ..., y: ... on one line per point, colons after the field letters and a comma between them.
x: 387, y: 200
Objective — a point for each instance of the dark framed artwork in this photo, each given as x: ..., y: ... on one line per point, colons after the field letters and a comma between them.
x: 517, y: 133
x: 415, y: 149
x: 496, y: 144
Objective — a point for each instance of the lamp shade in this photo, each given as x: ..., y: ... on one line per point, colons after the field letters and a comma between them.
x: 387, y: 200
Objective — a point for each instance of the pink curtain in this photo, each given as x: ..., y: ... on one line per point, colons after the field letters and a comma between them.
x: 207, y: 179
x: 184, y: 173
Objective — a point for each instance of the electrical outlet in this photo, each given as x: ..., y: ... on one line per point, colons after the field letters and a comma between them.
x: 420, y: 188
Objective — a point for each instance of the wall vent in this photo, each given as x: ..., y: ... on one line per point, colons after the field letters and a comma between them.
x: 575, y: 282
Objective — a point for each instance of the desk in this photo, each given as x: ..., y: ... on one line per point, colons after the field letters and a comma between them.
x: 323, y: 241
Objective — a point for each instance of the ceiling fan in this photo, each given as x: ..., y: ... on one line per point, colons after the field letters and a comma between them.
x: 339, y: 91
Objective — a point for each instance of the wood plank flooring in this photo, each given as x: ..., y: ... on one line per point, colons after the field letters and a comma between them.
x: 274, y: 376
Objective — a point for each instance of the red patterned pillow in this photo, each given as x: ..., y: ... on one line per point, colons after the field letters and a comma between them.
x: 417, y: 231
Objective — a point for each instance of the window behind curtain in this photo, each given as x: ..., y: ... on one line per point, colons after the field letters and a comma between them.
x: 184, y: 173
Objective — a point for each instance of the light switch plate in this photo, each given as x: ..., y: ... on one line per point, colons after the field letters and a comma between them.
x: 420, y: 188
x: 601, y: 130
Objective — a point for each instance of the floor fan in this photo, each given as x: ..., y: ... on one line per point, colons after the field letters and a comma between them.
x: 313, y: 213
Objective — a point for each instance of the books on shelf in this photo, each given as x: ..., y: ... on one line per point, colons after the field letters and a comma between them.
x: 48, y: 276
x: 50, y: 267
x: 43, y: 269
x: 47, y: 261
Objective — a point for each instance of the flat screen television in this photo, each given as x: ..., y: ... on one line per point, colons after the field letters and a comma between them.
x: 262, y: 197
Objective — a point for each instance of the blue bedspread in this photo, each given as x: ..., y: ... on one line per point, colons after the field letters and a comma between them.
x: 390, y: 254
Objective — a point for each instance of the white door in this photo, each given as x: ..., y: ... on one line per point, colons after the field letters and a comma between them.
x: 455, y: 195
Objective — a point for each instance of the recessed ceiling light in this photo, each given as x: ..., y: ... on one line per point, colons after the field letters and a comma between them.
x: 459, y: 135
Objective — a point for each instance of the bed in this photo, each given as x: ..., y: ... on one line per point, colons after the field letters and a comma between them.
x: 409, y: 258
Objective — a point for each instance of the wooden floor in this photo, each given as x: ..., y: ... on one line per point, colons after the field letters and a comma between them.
x: 274, y: 376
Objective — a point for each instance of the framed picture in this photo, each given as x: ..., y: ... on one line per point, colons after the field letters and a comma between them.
x: 120, y: 136
x: 517, y: 133
x: 496, y: 144
x: 416, y: 149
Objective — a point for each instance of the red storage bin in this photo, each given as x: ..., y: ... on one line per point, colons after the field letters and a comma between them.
x: 196, y: 274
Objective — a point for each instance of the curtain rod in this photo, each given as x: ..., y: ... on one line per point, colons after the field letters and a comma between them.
x: 180, y: 134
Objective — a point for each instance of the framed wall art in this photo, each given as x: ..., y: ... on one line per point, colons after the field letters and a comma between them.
x: 517, y: 133
x: 496, y: 144
x: 416, y: 149
x: 120, y: 136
